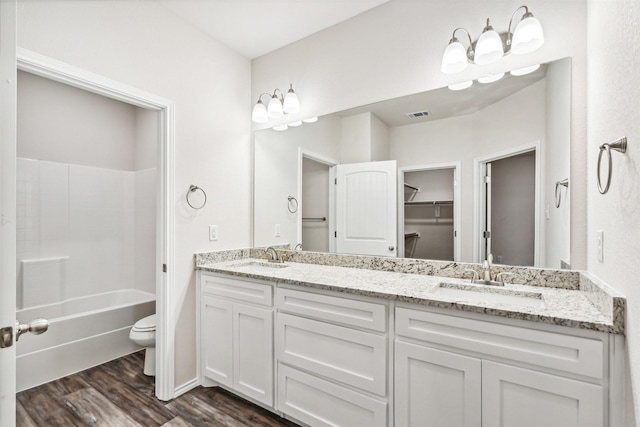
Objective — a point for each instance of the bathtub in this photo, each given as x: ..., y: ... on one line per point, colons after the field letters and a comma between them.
x: 83, y: 332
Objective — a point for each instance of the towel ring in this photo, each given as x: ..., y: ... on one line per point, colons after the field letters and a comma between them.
x: 192, y: 189
x: 620, y: 145
x: 292, y: 199
x: 564, y: 183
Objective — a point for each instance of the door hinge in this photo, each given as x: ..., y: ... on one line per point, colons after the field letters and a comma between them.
x: 335, y: 181
x: 6, y: 337
x: 455, y: 233
x: 487, y: 179
x: 335, y: 234
x: 486, y: 234
x: 164, y: 268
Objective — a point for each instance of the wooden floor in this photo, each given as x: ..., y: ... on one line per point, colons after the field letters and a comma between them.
x: 118, y: 394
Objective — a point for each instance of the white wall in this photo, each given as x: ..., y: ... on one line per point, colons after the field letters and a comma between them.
x: 143, y: 45
x: 614, y: 108
x: 64, y: 124
x: 407, y: 60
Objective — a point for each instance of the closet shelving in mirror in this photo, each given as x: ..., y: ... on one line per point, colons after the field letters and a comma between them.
x: 429, y: 203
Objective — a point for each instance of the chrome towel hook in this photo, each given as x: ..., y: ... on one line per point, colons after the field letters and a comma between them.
x: 564, y: 183
x: 292, y: 201
x: 620, y: 145
x: 193, y: 189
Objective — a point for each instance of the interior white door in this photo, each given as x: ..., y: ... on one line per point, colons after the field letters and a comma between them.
x: 8, y: 113
x: 366, y: 195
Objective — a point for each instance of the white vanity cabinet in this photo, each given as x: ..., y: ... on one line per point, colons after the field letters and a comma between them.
x: 332, y: 354
x: 462, y: 371
x: 236, y: 335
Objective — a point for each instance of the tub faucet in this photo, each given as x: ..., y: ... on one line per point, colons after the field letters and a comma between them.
x: 273, y: 255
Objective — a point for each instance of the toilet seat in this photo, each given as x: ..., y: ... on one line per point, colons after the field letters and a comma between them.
x: 146, y: 324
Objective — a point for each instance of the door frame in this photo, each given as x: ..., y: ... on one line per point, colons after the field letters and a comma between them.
x: 8, y: 124
x: 478, y: 194
x: 332, y: 163
x: 52, y: 69
x: 457, y: 185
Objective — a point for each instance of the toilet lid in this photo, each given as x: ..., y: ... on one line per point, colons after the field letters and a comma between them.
x: 146, y: 324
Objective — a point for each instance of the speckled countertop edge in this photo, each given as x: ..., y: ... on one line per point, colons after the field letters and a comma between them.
x: 590, y: 306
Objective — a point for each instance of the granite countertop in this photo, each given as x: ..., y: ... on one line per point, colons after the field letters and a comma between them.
x: 566, y: 307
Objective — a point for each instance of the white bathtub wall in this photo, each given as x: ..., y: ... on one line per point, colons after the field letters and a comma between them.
x: 145, y: 230
x: 83, y: 230
x: 100, y: 235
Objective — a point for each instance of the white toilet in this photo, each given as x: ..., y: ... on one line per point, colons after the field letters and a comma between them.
x: 143, y: 334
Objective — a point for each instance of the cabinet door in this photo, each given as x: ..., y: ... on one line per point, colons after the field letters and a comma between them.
x: 216, y: 329
x: 516, y: 397
x: 253, y: 352
x: 436, y: 388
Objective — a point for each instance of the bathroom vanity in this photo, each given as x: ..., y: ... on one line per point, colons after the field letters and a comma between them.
x: 329, y: 345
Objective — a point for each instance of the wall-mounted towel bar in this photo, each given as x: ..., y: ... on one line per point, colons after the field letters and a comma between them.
x: 619, y: 145
x: 292, y: 204
x: 430, y: 203
x: 193, y: 189
x: 324, y: 218
x: 563, y: 183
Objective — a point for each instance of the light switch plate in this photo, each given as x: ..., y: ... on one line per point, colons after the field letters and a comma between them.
x: 213, y: 233
x: 600, y: 243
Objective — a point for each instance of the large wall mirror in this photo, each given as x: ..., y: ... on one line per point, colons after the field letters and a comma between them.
x: 445, y: 174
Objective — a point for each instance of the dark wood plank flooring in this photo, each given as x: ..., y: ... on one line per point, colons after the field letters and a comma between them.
x: 118, y: 394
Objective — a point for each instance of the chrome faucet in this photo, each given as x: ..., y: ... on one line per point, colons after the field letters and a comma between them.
x: 486, y: 271
x: 273, y: 255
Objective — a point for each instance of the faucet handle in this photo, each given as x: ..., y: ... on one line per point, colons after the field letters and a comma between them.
x: 499, y: 277
x: 475, y: 277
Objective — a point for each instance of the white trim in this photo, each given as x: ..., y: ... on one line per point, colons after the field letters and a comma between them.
x: 302, y: 153
x: 52, y: 69
x: 189, y: 385
x: 457, y: 220
x: 478, y: 191
x: 8, y: 112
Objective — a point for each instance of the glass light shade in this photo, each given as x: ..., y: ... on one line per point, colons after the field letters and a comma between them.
x: 454, y: 58
x: 291, y: 103
x: 490, y: 78
x: 281, y: 127
x: 525, y: 70
x: 461, y: 86
x: 275, y: 108
x: 259, y: 113
x: 296, y: 124
x: 310, y: 120
x: 488, y: 48
x: 527, y: 37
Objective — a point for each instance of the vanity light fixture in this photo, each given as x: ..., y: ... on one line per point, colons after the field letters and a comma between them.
x: 311, y: 119
x: 280, y: 127
x: 461, y: 86
x: 524, y: 70
x: 491, y: 78
x: 491, y: 46
x: 296, y: 124
x: 278, y: 106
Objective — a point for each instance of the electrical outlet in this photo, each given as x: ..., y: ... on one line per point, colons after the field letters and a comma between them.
x: 600, y: 236
x: 277, y: 231
x: 499, y: 258
x: 213, y: 232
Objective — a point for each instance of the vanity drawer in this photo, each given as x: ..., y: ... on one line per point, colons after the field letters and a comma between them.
x: 346, y: 311
x: 577, y: 355
x: 352, y: 357
x: 240, y: 290
x: 317, y: 402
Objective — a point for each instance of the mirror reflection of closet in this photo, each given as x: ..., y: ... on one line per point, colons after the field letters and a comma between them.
x: 429, y: 214
x: 315, y: 205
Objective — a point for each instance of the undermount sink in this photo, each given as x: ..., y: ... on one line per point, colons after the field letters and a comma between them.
x: 490, y: 294
x: 257, y: 266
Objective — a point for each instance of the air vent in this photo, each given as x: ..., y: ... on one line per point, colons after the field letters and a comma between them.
x: 417, y: 114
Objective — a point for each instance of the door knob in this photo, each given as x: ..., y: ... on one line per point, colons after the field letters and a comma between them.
x: 391, y: 248
x: 36, y: 327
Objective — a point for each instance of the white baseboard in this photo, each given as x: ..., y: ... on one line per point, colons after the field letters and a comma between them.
x: 189, y: 385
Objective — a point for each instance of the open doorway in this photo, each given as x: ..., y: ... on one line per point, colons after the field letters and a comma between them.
x: 508, y: 207
x: 429, y: 217
x: 316, y: 194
